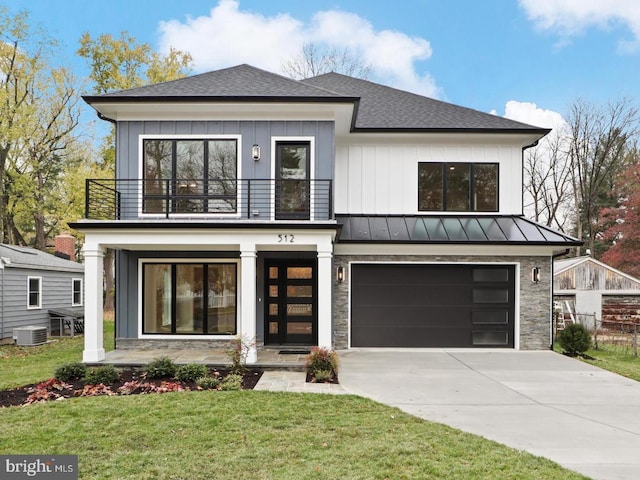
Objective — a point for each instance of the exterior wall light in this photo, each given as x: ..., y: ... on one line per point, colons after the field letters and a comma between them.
x: 535, y: 274
x: 255, y: 152
x: 340, y: 274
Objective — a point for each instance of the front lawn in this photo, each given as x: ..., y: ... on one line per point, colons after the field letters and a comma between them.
x: 258, y: 435
x: 613, y: 358
x: 25, y: 365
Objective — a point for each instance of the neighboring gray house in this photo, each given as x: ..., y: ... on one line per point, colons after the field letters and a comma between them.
x: 331, y: 211
x: 31, y: 283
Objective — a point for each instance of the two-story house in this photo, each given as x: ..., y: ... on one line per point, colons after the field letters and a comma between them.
x: 331, y: 211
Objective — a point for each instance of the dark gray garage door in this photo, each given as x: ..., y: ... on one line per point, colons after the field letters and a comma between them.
x: 410, y: 305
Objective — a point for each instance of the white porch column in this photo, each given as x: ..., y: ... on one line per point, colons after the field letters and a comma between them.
x: 325, y: 287
x: 93, y: 314
x: 248, y: 298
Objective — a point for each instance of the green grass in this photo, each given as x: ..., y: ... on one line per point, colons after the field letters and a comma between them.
x: 242, y: 435
x: 616, y: 359
x: 258, y: 435
x: 25, y: 365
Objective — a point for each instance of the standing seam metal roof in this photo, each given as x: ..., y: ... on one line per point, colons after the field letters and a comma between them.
x: 447, y: 229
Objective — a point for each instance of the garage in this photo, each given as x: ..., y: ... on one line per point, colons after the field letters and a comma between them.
x: 432, y: 305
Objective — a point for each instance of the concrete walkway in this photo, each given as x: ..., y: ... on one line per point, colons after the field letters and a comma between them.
x: 288, y: 381
x: 577, y: 415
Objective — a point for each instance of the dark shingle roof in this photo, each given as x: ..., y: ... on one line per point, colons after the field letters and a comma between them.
x: 25, y: 257
x: 383, y: 107
x: 242, y: 81
x: 377, y: 107
x: 449, y: 229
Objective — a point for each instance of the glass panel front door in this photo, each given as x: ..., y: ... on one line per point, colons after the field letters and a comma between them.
x: 291, y: 293
x: 292, y: 181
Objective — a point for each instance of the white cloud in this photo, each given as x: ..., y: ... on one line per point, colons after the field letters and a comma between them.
x: 229, y: 36
x: 571, y: 17
x: 530, y: 113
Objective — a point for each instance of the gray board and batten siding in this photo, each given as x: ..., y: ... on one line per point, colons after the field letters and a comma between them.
x: 56, y: 274
x: 251, y: 132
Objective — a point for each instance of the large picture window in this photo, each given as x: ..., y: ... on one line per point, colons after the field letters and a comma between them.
x: 189, y: 298
x: 190, y: 176
x: 458, y: 187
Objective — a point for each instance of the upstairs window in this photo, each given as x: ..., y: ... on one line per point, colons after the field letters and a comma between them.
x: 190, y: 176
x: 458, y: 187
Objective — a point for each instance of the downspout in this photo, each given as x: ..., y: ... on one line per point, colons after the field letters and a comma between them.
x: 553, y: 257
x: 526, y: 147
x: 115, y: 257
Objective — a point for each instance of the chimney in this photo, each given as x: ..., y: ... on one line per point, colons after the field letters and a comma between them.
x: 65, y: 246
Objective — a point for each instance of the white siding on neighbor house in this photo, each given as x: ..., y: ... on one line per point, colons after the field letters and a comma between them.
x: 56, y: 293
x: 382, y: 178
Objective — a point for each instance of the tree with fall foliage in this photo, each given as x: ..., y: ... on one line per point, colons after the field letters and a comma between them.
x: 623, y: 223
x: 119, y: 64
x: 38, y: 115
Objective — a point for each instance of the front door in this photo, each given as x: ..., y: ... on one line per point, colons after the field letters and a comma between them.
x: 291, y: 308
x: 293, y: 199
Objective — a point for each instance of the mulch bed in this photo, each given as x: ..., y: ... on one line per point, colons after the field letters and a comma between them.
x: 55, y: 390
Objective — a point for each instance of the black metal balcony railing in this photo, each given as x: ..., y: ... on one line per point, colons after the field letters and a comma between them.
x: 256, y: 199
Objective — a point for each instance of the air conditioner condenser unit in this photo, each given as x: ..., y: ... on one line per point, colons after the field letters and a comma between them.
x: 30, y: 335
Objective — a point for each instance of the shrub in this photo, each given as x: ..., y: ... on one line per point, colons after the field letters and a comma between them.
x: 322, y: 359
x: 71, y: 371
x: 238, y: 351
x: 233, y: 381
x: 105, y: 374
x: 207, y: 382
x: 190, y: 372
x: 162, y: 367
x: 322, y: 376
x: 575, y: 339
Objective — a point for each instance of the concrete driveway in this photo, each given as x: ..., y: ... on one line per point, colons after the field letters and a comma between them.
x: 579, y: 416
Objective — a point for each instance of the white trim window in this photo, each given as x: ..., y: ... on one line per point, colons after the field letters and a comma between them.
x: 184, y: 297
x: 190, y: 175
x: 76, y: 292
x: 34, y: 293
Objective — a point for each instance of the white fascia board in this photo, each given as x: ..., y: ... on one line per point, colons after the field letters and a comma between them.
x: 341, y: 113
x: 284, y: 239
x: 517, y: 140
x: 461, y: 250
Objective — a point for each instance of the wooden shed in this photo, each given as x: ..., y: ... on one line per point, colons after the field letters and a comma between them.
x: 33, y: 284
x: 586, y: 286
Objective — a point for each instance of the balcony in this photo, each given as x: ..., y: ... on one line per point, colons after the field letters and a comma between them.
x: 256, y: 199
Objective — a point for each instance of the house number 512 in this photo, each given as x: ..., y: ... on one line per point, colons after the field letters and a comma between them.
x: 285, y: 238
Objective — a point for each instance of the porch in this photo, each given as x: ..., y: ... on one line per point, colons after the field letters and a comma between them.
x: 269, y: 359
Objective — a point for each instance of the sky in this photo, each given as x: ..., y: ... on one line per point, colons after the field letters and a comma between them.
x: 525, y: 59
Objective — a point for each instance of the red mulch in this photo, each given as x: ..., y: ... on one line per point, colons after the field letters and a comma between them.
x: 20, y: 395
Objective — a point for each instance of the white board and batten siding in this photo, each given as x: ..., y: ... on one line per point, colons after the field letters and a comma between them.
x: 382, y: 179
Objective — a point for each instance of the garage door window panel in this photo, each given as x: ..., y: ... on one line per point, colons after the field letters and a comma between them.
x: 490, y: 317
x: 490, y: 338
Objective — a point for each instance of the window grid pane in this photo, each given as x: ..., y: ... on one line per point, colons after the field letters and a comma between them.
x: 457, y: 187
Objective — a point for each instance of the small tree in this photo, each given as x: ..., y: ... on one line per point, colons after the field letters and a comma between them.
x: 575, y: 339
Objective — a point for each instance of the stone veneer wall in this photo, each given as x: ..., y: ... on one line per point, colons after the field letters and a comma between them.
x: 534, y: 301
